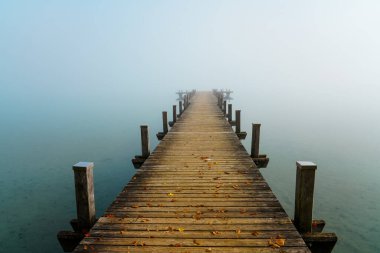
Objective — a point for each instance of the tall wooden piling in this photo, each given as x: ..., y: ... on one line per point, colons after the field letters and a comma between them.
x: 180, y: 108
x: 255, y: 140
x: 303, y: 212
x: 225, y: 107
x: 84, y: 192
x: 171, y: 123
x: 165, y: 122
x: 229, y: 112
x: 145, y: 147
x: 237, y: 119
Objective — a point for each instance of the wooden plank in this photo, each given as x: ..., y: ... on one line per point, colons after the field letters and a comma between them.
x: 199, y: 191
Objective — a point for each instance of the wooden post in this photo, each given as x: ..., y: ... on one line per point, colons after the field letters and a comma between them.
x: 255, y: 140
x: 145, y: 149
x: 165, y: 122
x: 180, y: 108
x: 303, y: 211
x: 229, y: 112
x: 84, y: 192
x: 224, y: 107
x: 237, y: 119
x: 174, y: 114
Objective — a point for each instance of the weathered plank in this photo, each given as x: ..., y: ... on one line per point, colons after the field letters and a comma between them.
x: 199, y: 191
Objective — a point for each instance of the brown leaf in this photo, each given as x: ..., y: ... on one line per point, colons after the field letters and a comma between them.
x: 196, y: 242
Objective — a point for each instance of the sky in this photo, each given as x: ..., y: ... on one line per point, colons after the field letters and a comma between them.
x: 76, y: 46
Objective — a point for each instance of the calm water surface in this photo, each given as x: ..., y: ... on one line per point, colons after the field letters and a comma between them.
x: 42, y: 136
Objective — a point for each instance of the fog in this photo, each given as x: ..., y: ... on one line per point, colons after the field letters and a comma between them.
x: 78, y: 78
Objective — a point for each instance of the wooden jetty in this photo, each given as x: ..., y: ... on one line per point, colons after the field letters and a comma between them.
x: 198, y: 191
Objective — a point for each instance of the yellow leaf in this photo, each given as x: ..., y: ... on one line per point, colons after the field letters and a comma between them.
x: 181, y: 229
x: 170, y: 194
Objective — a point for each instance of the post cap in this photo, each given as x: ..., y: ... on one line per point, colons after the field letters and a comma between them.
x: 83, y: 165
x: 306, y: 165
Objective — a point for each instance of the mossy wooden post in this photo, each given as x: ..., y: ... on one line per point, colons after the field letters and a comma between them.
x: 255, y: 140
x: 180, y: 108
x: 84, y: 192
x: 303, y: 211
x: 237, y: 119
x: 229, y: 112
x: 145, y: 147
x: 165, y: 122
x: 224, y: 107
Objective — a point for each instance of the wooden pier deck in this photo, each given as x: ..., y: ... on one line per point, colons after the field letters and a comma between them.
x: 199, y: 191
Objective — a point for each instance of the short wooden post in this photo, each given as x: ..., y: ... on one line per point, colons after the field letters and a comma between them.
x: 84, y: 192
x: 303, y: 211
x: 174, y: 114
x: 165, y: 122
x: 224, y: 107
x: 229, y: 112
x: 180, y: 108
x: 237, y: 119
x: 145, y: 147
x: 255, y: 140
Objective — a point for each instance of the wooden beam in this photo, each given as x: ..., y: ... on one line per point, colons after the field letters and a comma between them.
x: 165, y: 122
x: 230, y: 113
x: 171, y: 123
x: 255, y: 140
x: 84, y: 192
x: 303, y: 211
x: 320, y: 242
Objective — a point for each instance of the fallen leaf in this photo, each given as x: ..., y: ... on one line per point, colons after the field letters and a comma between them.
x: 170, y: 194
x: 209, y: 250
x: 215, y: 232
x: 181, y: 229
x: 255, y: 233
x: 135, y: 206
x: 196, y: 242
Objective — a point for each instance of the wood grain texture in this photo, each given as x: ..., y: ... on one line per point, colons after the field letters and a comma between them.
x: 199, y: 191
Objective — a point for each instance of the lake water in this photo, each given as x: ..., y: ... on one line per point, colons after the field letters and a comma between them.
x: 42, y: 135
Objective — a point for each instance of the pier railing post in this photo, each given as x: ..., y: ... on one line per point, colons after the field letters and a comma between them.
x: 224, y: 107
x: 171, y: 123
x: 237, y: 119
x: 238, y: 131
x: 261, y: 160
x: 255, y: 140
x: 229, y: 112
x: 180, y: 108
x: 84, y: 192
x: 161, y: 135
x: 303, y: 211
x: 165, y: 122
x: 145, y: 147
